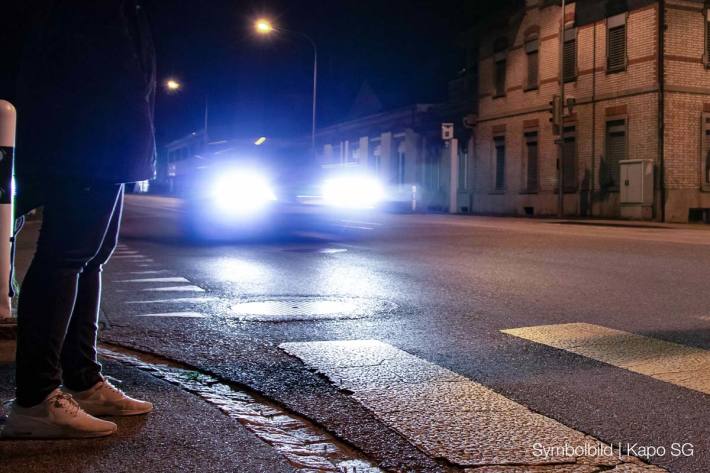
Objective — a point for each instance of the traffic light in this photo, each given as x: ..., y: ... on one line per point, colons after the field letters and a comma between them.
x: 556, y: 114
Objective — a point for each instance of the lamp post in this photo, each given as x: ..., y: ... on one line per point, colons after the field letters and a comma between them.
x: 264, y: 27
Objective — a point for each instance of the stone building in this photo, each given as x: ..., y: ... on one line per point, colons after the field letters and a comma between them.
x: 641, y: 92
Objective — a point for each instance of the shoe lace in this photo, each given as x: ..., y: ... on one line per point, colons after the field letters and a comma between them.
x: 108, y: 385
x: 66, y: 401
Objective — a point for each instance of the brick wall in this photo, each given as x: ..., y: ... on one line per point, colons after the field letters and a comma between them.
x: 600, y: 95
x: 687, y: 84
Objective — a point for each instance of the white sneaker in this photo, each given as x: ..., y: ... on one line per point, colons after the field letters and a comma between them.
x: 105, y: 399
x: 58, y: 416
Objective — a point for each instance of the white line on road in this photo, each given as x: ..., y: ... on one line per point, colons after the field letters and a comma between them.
x: 185, y: 315
x: 174, y: 289
x: 443, y: 413
x: 684, y: 366
x: 135, y: 257
x: 184, y: 300
x: 146, y: 280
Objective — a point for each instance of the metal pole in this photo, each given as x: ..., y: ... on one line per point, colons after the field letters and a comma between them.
x: 315, y: 98
x: 315, y: 83
x: 8, y: 123
x: 561, y: 150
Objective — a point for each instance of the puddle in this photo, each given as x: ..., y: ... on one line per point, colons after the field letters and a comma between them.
x: 306, y: 447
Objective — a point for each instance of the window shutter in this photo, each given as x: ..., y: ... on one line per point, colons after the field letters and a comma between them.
x: 616, y: 60
x: 705, y: 157
x: 532, y: 170
x: 500, y: 77
x: 569, y: 177
x: 569, y: 58
x: 615, y: 150
x: 500, y: 163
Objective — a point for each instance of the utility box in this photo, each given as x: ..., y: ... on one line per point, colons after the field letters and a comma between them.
x: 636, y: 189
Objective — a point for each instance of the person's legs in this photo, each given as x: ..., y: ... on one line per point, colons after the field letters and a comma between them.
x: 80, y: 367
x: 75, y: 222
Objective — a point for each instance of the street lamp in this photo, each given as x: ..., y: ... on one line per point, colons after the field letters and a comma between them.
x: 264, y: 27
x: 172, y: 85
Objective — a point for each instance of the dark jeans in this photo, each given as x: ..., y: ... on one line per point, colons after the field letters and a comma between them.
x: 60, y: 295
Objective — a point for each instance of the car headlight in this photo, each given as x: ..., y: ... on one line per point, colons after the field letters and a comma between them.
x: 358, y: 192
x: 242, y: 192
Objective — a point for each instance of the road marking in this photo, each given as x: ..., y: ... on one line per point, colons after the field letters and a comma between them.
x: 135, y: 257
x: 443, y: 413
x: 146, y: 272
x: 126, y: 252
x: 174, y: 289
x: 144, y: 265
x: 188, y: 300
x: 184, y: 315
x: 170, y: 279
x: 681, y: 365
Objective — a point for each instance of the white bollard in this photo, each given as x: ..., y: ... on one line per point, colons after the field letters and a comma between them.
x: 8, y: 124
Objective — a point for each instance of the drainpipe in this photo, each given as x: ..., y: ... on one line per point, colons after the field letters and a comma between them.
x: 561, y: 148
x: 661, y: 104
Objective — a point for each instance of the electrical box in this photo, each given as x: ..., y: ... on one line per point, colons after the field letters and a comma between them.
x: 636, y: 188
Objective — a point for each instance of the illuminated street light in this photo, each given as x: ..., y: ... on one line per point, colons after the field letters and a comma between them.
x: 263, y: 26
x: 260, y: 141
x: 172, y: 85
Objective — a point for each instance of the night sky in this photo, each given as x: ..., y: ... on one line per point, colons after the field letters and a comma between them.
x: 405, y: 50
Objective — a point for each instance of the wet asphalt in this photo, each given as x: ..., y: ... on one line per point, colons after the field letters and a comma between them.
x: 438, y: 287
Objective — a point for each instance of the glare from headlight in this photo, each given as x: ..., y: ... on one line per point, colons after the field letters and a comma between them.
x: 358, y: 192
x: 242, y: 192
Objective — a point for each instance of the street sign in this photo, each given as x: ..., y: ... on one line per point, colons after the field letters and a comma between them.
x: 447, y: 131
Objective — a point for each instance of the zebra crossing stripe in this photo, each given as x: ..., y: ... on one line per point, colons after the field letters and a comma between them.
x: 148, y: 280
x: 449, y: 416
x: 182, y: 315
x: 681, y: 365
x: 174, y: 289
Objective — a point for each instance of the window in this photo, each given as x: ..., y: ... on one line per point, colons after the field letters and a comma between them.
x: 569, y: 55
x: 531, y: 174
x: 705, y: 156
x: 615, y: 152
x: 616, y: 43
x: 401, y: 164
x: 706, y: 56
x: 500, y: 163
x: 499, y: 67
x: 569, y: 155
x: 500, y: 77
x: 531, y: 50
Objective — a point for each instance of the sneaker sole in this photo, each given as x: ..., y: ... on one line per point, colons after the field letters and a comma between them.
x: 98, y: 412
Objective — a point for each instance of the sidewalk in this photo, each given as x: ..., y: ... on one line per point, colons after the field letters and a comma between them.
x: 183, y: 434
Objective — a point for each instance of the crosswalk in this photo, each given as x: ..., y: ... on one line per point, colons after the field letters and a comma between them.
x: 450, y: 416
x: 684, y: 366
x: 445, y: 414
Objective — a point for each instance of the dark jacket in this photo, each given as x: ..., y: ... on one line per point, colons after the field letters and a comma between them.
x: 86, y: 93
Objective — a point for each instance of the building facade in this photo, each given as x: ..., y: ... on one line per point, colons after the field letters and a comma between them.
x: 640, y: 92
x: 405, y: 150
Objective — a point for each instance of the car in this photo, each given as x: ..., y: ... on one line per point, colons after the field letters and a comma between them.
x: 255, y: 192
